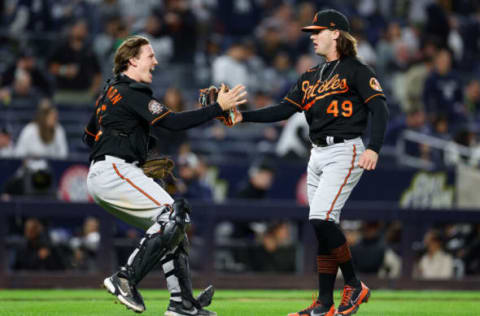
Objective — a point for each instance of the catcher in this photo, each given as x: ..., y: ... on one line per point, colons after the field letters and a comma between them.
x: 118, y: 134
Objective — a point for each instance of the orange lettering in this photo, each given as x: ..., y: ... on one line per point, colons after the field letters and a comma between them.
x: 320, y: 90
x: 110, y: 92
x: 113, y: 95
x: 347, y: 108
x: 333, y: 108
x: 116, y: 98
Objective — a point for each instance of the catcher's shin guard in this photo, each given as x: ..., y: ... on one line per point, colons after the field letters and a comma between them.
x: 177, y: 273
x: 162, y: 237
x: 176, y: 268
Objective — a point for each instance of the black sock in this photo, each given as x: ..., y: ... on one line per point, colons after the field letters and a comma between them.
x: 348, y: 273
x: 337, y: 246
x: 327, y: 271
x: 326, y: 285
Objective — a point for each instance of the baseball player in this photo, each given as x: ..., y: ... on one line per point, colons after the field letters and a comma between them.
x: 337, y: 97
x: 118, y: 134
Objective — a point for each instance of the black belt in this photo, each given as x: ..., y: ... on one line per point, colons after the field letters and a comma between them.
x: 328, y: 140
x: 102, y: 157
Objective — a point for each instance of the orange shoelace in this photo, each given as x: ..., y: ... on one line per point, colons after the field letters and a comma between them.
x: 314, y: 303
x: 347, y: 294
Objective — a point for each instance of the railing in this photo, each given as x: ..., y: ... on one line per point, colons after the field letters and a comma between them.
x: 447, y: 147
x: 414, y: 223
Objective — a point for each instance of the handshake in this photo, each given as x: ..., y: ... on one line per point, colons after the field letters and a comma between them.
x: 228, y: 99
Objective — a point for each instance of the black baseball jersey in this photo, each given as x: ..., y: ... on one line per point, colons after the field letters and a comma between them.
x: 334, y: 95
x: 122, y: 119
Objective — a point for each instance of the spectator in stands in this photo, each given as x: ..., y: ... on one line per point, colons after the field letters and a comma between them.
x: 259, y: 181
x: 280, y: 74
x: 27, y: 62
x: 104, y: 44
x: 75, y: 67
x: 435, y: 263
x: 180, y: 26
x: 191, y: 185
x: 86, y: 245
x: 369, y: 251
x: 437, y: 25
x: 256, y: 187
x: 275, y: 252
x: 392, y: 262
x: 455, y: 40
x: 471, y: 100
x: 21, y: 92
x: 44, y: 137
x: 271, y: 39
x: 470, y: 254
x: 410, y: 93
x: 465, y: 137
x: 388, y: 60
x: 443, y: 90
x: 231, y: 67
x: 441, y: 130
x: 413, y: 120
x: 366, y: 52
x: 470, y: 29
x: 6, y: 144
x: 205, y: 58
x: 34, y: 17
x: 239, y: 64
x: 37, y: 252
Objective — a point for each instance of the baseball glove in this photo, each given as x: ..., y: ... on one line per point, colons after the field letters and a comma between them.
x: 208, y: 96
x: 158, y: 168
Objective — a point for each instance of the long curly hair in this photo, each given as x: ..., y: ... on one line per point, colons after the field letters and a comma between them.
x: 346, y: 45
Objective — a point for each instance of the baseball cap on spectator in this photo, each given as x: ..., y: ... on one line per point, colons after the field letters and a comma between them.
x: 328, y: 19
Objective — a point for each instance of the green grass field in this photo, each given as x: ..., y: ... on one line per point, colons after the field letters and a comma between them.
x: 235, y: 303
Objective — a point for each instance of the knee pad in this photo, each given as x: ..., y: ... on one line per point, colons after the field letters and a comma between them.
x: 181, y: 205
x: 180, y: 214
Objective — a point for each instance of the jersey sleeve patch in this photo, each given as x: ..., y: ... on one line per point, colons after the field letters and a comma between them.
x: 375, y: 85
x: 156, y: 107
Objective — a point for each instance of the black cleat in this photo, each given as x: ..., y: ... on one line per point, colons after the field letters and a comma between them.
x: 316, y: 309
x: 323, y: 311
x: 186, y: 308
x: 352, y: 298
x: 205, y: 297
x: 126, y: 293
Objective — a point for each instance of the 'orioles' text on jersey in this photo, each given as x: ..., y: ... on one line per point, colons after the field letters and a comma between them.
x: 122, y: 119
x: 335, y: 105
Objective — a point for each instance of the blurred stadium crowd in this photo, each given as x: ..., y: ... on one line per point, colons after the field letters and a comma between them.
x: 55, y: 56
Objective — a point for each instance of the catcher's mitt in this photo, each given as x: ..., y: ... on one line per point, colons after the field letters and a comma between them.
x: 158, y: 168
x: 208, y: 96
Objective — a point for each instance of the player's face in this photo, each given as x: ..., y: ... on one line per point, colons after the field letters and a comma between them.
x: 323, y: 41
x: 145, y: 63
